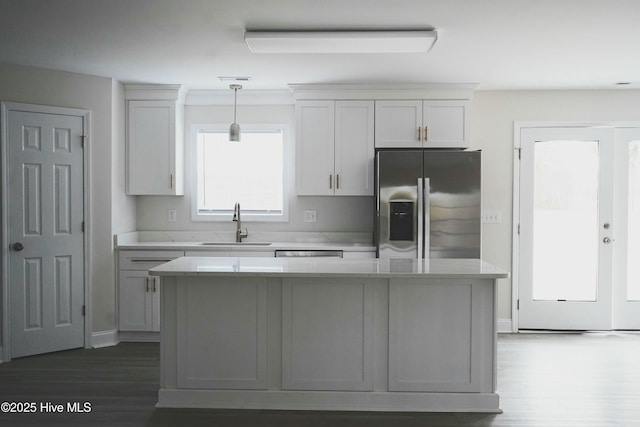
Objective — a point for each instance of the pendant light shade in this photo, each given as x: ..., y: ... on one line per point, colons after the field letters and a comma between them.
x: 234, y: 129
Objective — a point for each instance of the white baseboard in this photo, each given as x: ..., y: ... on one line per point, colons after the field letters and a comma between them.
x: 104, y: 338
x: 504, y: 326
x: 142, y: 336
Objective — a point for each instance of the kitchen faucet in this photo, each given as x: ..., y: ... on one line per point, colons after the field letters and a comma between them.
x: 236, y: 217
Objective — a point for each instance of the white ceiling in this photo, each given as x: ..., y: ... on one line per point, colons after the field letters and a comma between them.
x: 498, y: 44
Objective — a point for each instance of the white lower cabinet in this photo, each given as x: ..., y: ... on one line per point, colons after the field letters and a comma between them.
x: 139, y: 301
x: 139, y: 293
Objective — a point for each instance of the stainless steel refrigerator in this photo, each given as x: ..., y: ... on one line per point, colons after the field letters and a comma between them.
x: 427, y: 203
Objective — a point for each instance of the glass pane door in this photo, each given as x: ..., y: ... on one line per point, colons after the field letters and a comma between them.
x: 633, y: 197
x: 566, y: 187
x: 565, y: 220
x: 626, y: 291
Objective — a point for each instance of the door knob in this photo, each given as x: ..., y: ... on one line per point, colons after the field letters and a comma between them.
x: 18, y: 246
x: 606, y: 240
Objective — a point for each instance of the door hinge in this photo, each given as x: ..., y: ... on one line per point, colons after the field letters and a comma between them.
x: 82, y: 226
x: 84, y: 310
x: 518, y: 229
x: 84, y: 140
x: 518, y: 304
x: 519, y: 152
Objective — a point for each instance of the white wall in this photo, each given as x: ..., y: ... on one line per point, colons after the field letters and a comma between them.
x: 96, y: 94
x: 493, y: 115
x: 333, y: 213
x: 123, y: 207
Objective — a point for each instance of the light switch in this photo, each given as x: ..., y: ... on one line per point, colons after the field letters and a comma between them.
x: 172, y: 215
x: 491, y: 217
x: 310, y: 215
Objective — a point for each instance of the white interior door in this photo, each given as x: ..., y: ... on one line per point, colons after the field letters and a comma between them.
x: 626, y: 288
x: 566, y: 225
x: 46, y: 213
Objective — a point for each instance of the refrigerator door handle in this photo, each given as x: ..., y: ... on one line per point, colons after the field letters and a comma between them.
x: 420, y: 218
x: 378, y: 185
x: 426, y: 190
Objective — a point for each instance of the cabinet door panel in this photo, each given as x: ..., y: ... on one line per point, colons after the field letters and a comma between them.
x: 151, y: 133
x: 314, y: 148
x: 397, y: 124
x: 135, y: 301
x: 354, y: 148
x: 446, y: 124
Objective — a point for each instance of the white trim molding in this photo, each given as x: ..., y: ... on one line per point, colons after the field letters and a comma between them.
x: 245, y: 97
x: 104, y: 338
x: 138, y: 336
x: 374, y: 91
x: 504, y: 326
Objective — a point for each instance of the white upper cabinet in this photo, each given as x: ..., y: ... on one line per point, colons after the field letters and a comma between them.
x: 335, y: 148
x: 354, y: 148
x: 445, y: 124
x: 398, y: 124
x: 422, y: 124
x: 154, y: 140
x: 315, y: 148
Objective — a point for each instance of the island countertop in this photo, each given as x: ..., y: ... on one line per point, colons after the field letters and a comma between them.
x: 329, y: 267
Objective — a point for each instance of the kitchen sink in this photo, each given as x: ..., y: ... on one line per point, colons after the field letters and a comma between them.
x: 236, y: 243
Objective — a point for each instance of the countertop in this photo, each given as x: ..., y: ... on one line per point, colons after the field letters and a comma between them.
x: 197, y: 241
x: 329, y: 267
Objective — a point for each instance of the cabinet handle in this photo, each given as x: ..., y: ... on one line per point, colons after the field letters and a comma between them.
x: 426, y: 133
x: 146, y: 282
x: 154, y: 284
x: 171, y: 181
x: 338, y: 181
x: 419, y: 133
x: 330, y: 182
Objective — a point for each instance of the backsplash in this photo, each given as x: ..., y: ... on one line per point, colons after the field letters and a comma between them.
x: 229, y: 236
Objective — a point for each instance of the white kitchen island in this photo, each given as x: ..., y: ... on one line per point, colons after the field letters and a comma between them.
x: 329, y: 334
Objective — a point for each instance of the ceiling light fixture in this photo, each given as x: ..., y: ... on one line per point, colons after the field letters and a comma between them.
x: 234, y: 129
x: 411, y: 41
x: 234, y: 78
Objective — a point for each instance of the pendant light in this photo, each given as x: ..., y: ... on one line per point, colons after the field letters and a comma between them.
x: 234, y: 129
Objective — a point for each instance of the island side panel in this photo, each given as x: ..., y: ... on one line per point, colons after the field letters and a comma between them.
x: 222, y: 333
x: 168, y: 335
x: 328, y: 334
x: 436, y: 329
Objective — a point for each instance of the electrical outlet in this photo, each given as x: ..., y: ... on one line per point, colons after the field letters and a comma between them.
x: 310, y: 215
x: 172, y: 215
x: 491, y: 217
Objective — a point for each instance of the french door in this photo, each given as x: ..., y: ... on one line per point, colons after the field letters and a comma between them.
x: 578, y: 229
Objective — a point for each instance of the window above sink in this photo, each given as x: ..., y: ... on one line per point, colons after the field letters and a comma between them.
x: 253, y: 171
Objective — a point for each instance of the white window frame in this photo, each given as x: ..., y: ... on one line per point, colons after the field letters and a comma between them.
x: 286, y: 176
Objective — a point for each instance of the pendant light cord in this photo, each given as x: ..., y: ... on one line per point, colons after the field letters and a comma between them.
x: 235, y: 103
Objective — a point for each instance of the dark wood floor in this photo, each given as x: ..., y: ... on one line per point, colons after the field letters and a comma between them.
x: 543, y: 379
